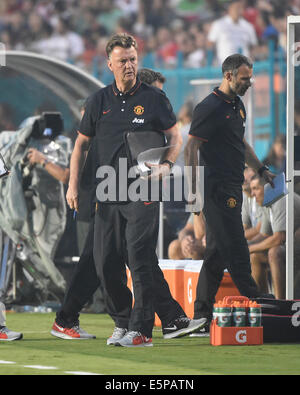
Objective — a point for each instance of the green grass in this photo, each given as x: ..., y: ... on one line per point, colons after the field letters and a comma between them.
x: 184, y: 356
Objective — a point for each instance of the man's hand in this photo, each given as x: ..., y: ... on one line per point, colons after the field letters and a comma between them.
x: 194, y: 204
x: 192, y: 248
x: 82, y: 145
x: 187, y: 245
x: 251, y: 248
x: 268, y: 177
x: 34, y: 156
x: 158, y: 171
x: 253, y: 162
x: 72, y: 197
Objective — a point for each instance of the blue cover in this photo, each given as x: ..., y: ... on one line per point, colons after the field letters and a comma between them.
x: 276, y: 193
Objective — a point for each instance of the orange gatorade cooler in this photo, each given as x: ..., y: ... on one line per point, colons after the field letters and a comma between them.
x: 174, y: 275
x: 191, y: 275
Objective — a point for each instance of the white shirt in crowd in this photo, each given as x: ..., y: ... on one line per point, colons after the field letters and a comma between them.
x: 63, y: 47
x: 230, y: 37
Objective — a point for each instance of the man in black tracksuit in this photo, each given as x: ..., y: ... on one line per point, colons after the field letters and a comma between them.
x: 217, y: 131
x: 126, y: 105
x: 85, y: 280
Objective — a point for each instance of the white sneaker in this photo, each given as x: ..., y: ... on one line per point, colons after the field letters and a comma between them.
x: 135, y: 339
x: 7, y: 336
x: 117, y: 335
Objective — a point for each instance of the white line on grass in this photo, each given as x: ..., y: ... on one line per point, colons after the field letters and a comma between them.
x: 40, y: 367
x: 83, y: 374
x: 7, y: 363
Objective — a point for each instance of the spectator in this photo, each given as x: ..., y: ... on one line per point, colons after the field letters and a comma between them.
x: 167, y: 48
x: 195, y: 10
x: 149, y: 52
x: 191, y: 240
x: 184, y: 123
x: 99, y: 65
x: 253, y: 15
x: 250, y: 209
x: 270, y: 251
x: 276, y: 158
x: 69, y: 45
x: 17, y: 30
x: 28, y: 24
x: 232, y: 33
x: 109, y: 16
x: 37, y: 28
x: 86, y: 21
x: 174, y: 210
x: 129, y: 8
x: 45, y: 8
x: 6, y: 40
x: 45, y: 45
x: 184, y: 48
x: 157, y: 13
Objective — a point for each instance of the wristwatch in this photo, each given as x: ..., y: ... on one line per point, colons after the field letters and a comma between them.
x: 261, y: 170
x: 171, y: 164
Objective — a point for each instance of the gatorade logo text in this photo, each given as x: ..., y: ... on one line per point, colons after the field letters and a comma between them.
x: 241, y: 336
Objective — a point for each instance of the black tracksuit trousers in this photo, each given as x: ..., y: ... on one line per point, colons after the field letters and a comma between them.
x: 136, y: 224
x: 83, y: 285
x: 85, y: 280
x: 226, y: 248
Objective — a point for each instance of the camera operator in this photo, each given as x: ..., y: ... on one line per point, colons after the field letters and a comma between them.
x: 59, y: 173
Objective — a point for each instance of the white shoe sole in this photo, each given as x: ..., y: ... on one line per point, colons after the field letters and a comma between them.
x: 199, y: 334
x: 194, y: 326
x: 19, y: 337
x: 67, y: 337
x: 112, y: 343
x: 133, y: 346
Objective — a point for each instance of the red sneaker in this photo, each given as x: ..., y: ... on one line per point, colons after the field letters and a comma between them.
x: 7, y: 336
x: 74, y: 333
x: 135, y: 339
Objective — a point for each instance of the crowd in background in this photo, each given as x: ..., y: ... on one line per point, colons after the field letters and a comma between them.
x: 170, y: 33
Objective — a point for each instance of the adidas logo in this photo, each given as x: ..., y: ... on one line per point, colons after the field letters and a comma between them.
x: 137, y: 120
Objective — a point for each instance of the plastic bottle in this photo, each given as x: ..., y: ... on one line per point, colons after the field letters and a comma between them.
x: 225, y: 315
x: 239, y: 314
x: 254, y: 314
x: 216, y: 311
